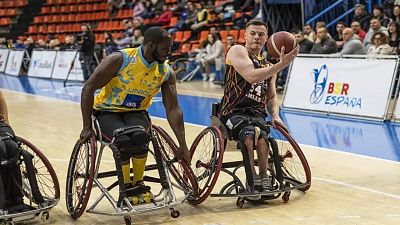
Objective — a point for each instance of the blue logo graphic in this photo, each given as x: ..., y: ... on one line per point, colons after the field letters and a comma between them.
x: 320, y: 79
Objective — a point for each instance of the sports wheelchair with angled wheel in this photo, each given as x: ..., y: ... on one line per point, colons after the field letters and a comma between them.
x: 287, y: 166
x: 84, y: 174
x: 29, y: 172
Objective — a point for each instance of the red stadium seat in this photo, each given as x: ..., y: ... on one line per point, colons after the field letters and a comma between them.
x: 45, y: 10
x: 37, y: 19
x: 185, y: 48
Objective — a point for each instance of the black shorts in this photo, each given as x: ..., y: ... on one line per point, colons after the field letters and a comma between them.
x: 110, y: 121
x: 248, y: 130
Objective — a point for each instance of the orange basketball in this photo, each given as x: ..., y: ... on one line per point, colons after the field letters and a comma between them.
x: 279, y: 39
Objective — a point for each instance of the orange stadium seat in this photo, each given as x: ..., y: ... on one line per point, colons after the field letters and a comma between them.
x: 173, y: 21
x: 10, y: 4
x: 178, y: 36
x: 234, y: 33
x: 55, y: 9
x: 47, y: 19
x: 45, y: 10
x: 51, y: 29
x: 56, y: 19
x: 186, y: 35
x: 32, y: 30
x: 37, y: 19
x: 185, y: 48
x: 59, y: 29
x: 73, y: 8
x: 241, y: 36
x: 224, y: 34
x: 194, y: 46
x: 42, y: 29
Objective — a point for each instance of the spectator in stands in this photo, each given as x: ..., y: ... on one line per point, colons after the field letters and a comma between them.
x: 19, y: 43
x: 230, y: 41
x: 378, y: 14
x: 309, y: 33
x: 54, y: 44
x: 255, y: 14
x: 87, y: 41
x: 3, y: 42
x: 361, y: 16
x: 162, y: 18
x: 186, y: 19
x: 357, y: 30
x: 138, y: 9
x: 137, y: 38
x: 41, y: 44
x: 203, y: 16
x: 375, y: 27
x: 323, y: 44
x: 339, y: 34
x: 380, y: 45
x: 305, y: 44
x: 214, y: 56
x: 69, y: 43
x: 138, y: 24
x: 396, y: 13
x: 214, y: 30
x: 114, y: 6
x: 30, y: 45
x: 352, y: 44
x: 124, y: 41
x: 394, y: 36
x: 109, y: 45
x: 128, y: 26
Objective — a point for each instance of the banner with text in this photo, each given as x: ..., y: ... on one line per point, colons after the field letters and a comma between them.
x: 42, y: 63
x: 3, y: 59
x: 359, y: 87
x: 63, y: 65
x: 14, y: 62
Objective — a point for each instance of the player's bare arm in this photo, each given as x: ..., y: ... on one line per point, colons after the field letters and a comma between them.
x: 238, y: 56
x: 273, y: 103
x: 103, y: 73
x: 175, y: 114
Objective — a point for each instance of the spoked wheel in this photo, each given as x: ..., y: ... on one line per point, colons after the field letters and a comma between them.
x: 80, y: 177
x: 295, y: 167
x: 181, y: 171
x: 207, y: 152
x: 179, y: 66
x: 46, y: 177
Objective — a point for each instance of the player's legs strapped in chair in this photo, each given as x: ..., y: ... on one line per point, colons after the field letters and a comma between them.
x: 129, y: 145
x: 244, y: 130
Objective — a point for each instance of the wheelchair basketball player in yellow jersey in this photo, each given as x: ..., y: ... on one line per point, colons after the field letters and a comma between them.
x: 129, y: 79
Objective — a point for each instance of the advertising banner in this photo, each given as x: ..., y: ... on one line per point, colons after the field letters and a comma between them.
x: 14, y: 62
x: 76, y: 72
x: 63, y: 64
x: 42, y: 63
x: 3, y: 58
x: 357, y: 87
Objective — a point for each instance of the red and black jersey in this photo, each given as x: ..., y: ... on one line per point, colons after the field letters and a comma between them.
x: 242, y: 97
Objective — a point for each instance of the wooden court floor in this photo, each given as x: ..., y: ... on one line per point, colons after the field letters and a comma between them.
x: 346, y: 189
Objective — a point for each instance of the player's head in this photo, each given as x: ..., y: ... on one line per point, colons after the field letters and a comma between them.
x: 158, y: 42
x: 256, y: 34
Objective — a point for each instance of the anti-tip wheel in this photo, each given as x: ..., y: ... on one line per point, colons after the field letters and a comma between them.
x: 285, y: 197
x: 240, y: 202
x: 128, y: 220
x: 175, y: 213
x: 45, y: 216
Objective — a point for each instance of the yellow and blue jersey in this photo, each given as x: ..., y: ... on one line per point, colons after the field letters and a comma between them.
x: 135, y: 85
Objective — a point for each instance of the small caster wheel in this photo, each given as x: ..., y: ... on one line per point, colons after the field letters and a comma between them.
x: 285, y: 197
x: 175, y: 213
x: 45, y: 216
x: 240, y: 202
x: 128, y: 220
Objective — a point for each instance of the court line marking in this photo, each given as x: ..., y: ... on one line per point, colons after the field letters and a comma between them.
x: 356, y: 187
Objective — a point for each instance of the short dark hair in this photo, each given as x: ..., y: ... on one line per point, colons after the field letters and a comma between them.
x: 342, y: 23
x: 378, y: 7
x: 155, y: 34
x: 256, y: 23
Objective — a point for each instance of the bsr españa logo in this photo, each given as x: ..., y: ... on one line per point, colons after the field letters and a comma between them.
x: 331, y: 93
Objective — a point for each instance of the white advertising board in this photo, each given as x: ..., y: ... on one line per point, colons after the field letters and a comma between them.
x: 63, y: 64
x: 42, y: 63
x: 357, y: 87
x: 76, y: 72
x: 3, y: 58
x: 14, y: 62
